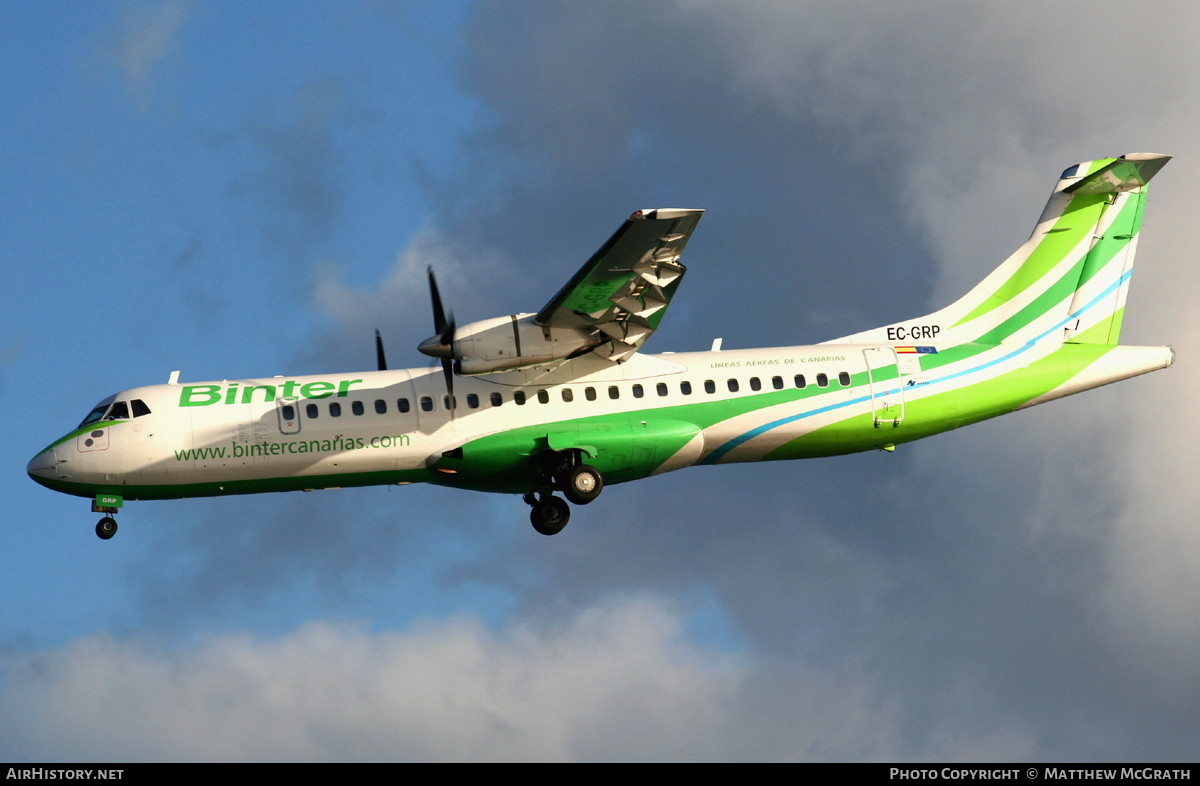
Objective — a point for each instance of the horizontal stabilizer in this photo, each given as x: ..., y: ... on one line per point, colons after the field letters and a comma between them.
x: 1126, y: 173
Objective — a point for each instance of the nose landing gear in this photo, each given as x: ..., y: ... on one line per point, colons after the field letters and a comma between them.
x: 108, y: 504
x: 106, y: 528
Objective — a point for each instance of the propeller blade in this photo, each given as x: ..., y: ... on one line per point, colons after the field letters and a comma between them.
x: 379, y: 356
x: 445, y: 339
x: 439, y: 314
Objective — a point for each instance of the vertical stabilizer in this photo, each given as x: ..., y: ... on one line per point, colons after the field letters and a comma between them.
x: 1068, y: 281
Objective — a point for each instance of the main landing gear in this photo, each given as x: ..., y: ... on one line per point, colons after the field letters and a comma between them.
x: 548, y: 513
x: 566, y: 472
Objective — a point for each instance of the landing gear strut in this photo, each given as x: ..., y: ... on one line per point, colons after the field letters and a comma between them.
x: 106, y: 528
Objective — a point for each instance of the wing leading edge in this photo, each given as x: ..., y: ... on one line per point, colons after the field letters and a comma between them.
x: 624, y: 289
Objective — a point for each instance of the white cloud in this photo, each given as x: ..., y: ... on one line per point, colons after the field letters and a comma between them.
x: 148, y: 36
x: 618, y: 680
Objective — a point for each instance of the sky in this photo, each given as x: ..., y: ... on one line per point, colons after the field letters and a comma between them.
x: 247, y: 189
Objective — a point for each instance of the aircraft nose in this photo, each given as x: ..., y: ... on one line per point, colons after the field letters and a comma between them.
x: 41, y: 465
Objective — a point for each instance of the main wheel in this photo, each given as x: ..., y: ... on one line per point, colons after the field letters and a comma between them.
x: 582, y: 484
x: 106, y: 528
x: 550, y: 515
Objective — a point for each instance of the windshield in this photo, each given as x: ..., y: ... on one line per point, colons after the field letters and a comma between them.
x: 97, y: 412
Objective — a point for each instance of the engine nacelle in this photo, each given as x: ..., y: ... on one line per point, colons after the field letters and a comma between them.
x: 516, y: 341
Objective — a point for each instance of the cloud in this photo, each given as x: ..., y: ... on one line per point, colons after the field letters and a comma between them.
x: 619, y: 680
x: 1023, y: 589
x: 147, y: 38
x: 865, y: 164
x: 401, y: 300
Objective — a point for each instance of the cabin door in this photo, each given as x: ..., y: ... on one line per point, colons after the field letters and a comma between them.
x: 887, y: 389
x: 288, y: 412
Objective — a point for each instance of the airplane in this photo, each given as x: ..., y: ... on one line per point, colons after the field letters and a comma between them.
x: 564, y: 400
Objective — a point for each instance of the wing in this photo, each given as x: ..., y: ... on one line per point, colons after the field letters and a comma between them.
x: 625, y: 288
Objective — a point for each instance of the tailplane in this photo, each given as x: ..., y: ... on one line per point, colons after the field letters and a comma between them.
x: 1068, y: 281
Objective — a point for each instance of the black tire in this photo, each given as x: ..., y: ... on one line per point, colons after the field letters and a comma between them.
x: 550, y: 515
x: 106, y: 528
x: 582, y: 484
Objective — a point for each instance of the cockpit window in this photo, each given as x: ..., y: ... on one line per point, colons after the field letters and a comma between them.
x: 97, y: 412
x: 119, y: 411
x: 139, y: 408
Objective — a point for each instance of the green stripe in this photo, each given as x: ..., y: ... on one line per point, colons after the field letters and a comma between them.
x: 953, y: 409
x: 1077, y: 221
x: 1115, y: 240
x: 97, y: 426
x: 224, y: 487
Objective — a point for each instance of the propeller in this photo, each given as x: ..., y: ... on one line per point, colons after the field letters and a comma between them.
x: 379, y: 356
x: 442, y: 345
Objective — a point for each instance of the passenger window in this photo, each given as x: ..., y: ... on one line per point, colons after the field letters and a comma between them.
x: 589, y: 394
x: 661, y: 387
x: 402, y: 405
x: 800, y: 381
x: 822, y: 380
x: 568, y: 395
x: 426, y: 404
x: 638, y: 392
x: 685, y: 388
x: 356, y: 407
x: 844, y: 378
x: 755, y: 384
x: 448, y: 402
x: 335, y: 411
x: 288, y: 412
x: 613, y: 392
x: 543, y: 396
x: 777, y: 383
x: 139, y: 408
x: 380, y: 407
x: 119, y: 411
x: 311, y: 410
x: 710, y: 386
x: 497, y: 399
x: 519, y: 397
x: 733, y: 386
x: 472, y: 401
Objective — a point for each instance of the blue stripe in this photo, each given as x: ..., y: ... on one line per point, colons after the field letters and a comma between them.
x: 720, y: 452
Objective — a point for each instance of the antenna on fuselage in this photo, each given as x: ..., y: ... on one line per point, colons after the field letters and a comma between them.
x: 174, y: 378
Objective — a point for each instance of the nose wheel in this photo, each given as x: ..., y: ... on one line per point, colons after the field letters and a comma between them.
x: 106, y: 528
x: 108, y: 504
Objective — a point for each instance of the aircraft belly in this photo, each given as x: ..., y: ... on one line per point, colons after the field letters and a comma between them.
x: 621, y: 447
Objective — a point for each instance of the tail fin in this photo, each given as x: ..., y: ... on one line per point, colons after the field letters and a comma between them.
x: 1069, y: 279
